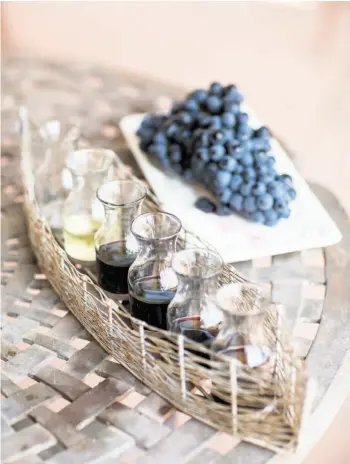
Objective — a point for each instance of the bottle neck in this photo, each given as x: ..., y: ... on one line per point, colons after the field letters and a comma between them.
x: 161, y: 249
x: 122, y: 215
x: 197, y: 287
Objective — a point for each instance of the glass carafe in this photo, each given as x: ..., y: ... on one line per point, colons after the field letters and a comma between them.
x: 52, y: 143
x: 115, y: 245
x: 152, y: 281
x: 193, y: 310
x: 243, y: 335
x: 83, y: 214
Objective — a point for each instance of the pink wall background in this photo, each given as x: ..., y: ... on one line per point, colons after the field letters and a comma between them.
x: 291, y: 59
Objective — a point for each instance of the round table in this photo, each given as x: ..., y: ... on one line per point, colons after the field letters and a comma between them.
x: 64, y: 399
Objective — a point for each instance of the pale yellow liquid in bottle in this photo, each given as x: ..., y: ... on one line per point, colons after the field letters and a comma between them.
x: 79, y: 231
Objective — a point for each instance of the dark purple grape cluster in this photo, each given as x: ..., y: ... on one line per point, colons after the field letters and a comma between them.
x: 207, y: 138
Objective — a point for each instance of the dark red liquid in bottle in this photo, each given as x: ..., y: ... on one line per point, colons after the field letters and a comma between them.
x: 191, y: 328
x: 112, y: 265
x: 151, y: 303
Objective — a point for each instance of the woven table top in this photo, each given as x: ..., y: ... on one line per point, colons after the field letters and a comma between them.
x: 64, y: 399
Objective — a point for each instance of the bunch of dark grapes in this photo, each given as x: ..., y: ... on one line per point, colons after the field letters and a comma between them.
x: 207, y: 138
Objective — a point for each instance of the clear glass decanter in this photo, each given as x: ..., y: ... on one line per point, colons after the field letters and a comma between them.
x: 193, y: 310
x: 243, y: 334
x: 56, y: 142
x: 83, y: 214
x: 115, y: 245
x: 151, y: 279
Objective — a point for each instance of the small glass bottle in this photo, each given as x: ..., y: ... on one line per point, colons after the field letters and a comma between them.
x: 56, y: 141
x: 115, y: 245
x: 151, y: 280
x: 243, y: 334
x: 193, y: 310
x: 83, y: 214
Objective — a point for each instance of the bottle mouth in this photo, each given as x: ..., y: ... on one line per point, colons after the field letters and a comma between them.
x: 121, y: 193
x: 156, y: 226
x: 197, y: 263
x: 89, y: 160
x: 240, y: 299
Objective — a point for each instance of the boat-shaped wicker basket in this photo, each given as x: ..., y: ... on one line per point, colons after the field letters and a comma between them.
x: 263, y: 411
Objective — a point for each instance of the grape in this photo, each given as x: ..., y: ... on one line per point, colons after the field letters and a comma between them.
x: 222, y: 210
x: 259, y: 189
x: 228, y: 136
x: 239, y: 168
x: 223, y: 179
x: 204, y: 204
x: 271, y: 218
x: 266, y: 178
x: 230, y: 88
x: 260, y: 158
x: 199, y: 95
x: 286, y: 179
x: 172, y: 130
x: 237, y: 153
x: 216, y: 136
x: 231, y: 107
x: 185, y: 118
x: 247, y: 160
x: 249, y: 204
x: 262, y: 170
x: 160, y: 139
x: 228, y: 163
x: 191, y: 105
x: 226, y: 195
x: 217, y: 152
x: 246, y: 189
x: 244, y: 133
x: 276, y: 189
x: 262, y: 132
x: 236, y: 202
x: 292, y: 193
x: 249, y: 174
x: 216, y: 122
x: 232, y: 92
x: 213, y: 104
x: 242, y: 118
x: 228, y: 120
x: 216, y: 88
x: 236, y: 182
x: 157, y: 150
x: 258, y: 216
x: 264, y: 202
x: 280, y: 206
x: 204, y: 120
x: 270, y: 161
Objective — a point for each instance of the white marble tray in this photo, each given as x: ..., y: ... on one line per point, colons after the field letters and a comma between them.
x: 235, y: 238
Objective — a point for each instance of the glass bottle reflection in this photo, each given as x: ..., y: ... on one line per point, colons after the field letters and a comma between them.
x: 151, y: 280
x: 83, y: 213
x: 193, y: 311
x: 115, y: 245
